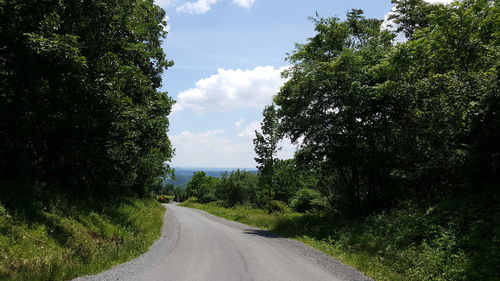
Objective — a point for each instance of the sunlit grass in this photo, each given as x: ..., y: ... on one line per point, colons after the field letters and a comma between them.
x: 71, y: 241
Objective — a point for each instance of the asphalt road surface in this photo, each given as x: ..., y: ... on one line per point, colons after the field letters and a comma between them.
x: 196, y: 246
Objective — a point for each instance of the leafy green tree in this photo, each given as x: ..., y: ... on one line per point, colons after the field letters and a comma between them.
x: 382, y: 121
x: 330, y: 103
x: 194, y: 185
x: 80, y: 110
x: 179, y: 194
x: 237, y: 188
x: 449, y: 74
x: 167, y: 189
x: 307, y: 199
x: 289, y: 178
x: 411, y: 15
x: 202, y: 187
x: 266, y: 146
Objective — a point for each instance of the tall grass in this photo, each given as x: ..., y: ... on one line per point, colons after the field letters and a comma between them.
x: 66, y: 240
x: 457, y: 239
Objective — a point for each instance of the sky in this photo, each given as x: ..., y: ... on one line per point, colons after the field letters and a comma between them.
x: 228, y: 56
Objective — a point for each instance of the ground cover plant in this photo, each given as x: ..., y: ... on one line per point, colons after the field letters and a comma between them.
x: 66, y: 240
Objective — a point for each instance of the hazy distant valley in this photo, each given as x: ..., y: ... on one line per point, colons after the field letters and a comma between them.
x: 183, y: 175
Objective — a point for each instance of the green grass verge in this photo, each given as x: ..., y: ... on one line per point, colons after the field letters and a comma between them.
x: 455, y: 239
x: 70, y: 240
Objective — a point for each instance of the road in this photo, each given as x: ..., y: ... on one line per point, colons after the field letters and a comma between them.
x: 196, y: 246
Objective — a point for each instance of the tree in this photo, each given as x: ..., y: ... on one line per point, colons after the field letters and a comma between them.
x: 330, y: 103
x: 449, y: 70
x: 266, y: 146
x: 236, y: 188
x: 411, y: 15
x: 80, y: 110
x: 202, y: 187
x: 382, y: 122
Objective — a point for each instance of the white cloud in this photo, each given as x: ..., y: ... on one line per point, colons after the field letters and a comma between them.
x: 215, y: 148
x: 232, y: 89
x: 244, y: 3
x: 165, y: 3
x: 211, y: 149
x: 287, y: 149
x: 248, y: 131
x: 240, y: 122
x: 198, y: 7
x: 166, y: 27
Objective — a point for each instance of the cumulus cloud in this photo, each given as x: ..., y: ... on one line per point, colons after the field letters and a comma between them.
x: 165, y: 3
x: 232, y: 89
x: 216, y: 148
x: 198, y: 7
x: 211, y: 149
x: 240, y: 122
x: 247, y: 4
x: 248, y: 132
x: 166, y: 27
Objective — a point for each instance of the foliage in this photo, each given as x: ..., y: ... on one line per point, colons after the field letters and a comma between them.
x: 289, y: 178
x: 381, y: 122
x: 79, y: 107
x: 202, y: 187
x: 163, y: 199
x: 266, y: 146
x: 278, y: 206
x: 180, y: 194
x: 329, y: 103
x: 307, y: 199
x: 237, y: 188
x: 70, y: 239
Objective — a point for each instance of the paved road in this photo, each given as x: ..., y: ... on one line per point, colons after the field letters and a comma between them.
x: 196, y: 246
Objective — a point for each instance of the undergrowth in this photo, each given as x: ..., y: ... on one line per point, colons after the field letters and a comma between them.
x: 457, y: 239
x: 64, y: 240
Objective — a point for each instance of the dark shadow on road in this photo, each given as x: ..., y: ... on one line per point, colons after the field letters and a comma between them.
x: 259, y: 232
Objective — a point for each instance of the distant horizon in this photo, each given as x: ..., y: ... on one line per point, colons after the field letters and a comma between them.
x: 213, y: 168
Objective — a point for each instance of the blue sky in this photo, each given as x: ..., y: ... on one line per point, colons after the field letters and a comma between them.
x: 228, y: 56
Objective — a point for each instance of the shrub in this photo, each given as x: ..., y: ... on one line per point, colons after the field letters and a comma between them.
x: 307, y: 199
x: 163, y: 199
x: 207, y: 197
x: 278, y: 206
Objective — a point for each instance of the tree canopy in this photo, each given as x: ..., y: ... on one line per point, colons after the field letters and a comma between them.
x: 387, y: 120
x: 80, y: 108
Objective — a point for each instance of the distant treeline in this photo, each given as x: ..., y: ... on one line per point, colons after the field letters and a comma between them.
x: 181, y: 176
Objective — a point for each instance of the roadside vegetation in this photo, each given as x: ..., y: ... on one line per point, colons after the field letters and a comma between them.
x: 83, y: 135
x: 67, y: 239
x: 397, y: 168
x: 415, y: 241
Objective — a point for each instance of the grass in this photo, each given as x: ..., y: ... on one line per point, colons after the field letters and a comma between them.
x: 457, y: 239
x: 64, y: 240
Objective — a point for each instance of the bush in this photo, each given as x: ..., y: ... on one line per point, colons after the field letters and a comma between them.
x: 307, y: 199
x: 207, y: 197
x: 278, y: 206
x: 163, y: 199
